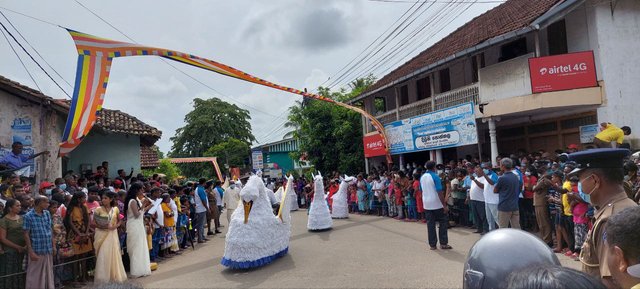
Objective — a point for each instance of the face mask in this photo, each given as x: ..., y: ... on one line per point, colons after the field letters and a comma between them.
x: 63, y: 187
x: 439, y: 171
x: 584, y: 196
x: 232, y: 186
x: 486, y: 172
x: 48, y: 192
x: 527, y: 173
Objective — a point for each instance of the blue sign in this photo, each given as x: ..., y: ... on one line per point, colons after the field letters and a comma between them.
x: 451, y: 127
x: 588, y: 132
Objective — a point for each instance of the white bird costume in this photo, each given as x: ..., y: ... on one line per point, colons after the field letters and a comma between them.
x: 294, y: 198
x: 339, y: 208
x: 257, y: 237
x: 319, y: 215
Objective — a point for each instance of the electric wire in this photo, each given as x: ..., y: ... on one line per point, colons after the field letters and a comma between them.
x: 21, y: 62
x: 34, y: 60
x: 34, y: 49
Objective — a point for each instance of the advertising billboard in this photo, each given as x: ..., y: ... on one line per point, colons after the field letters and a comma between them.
x: 563, y: 72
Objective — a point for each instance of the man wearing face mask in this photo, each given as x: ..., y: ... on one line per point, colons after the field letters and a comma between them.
x: 45, y: 189
x: 601, y: 176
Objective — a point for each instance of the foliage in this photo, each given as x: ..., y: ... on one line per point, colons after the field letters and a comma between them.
x: 330, y: 135
x: 170, y: 170
x: 211, y: 122
x: 232, y: 152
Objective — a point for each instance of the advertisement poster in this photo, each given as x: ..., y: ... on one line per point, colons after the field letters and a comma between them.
x: 588, y: 132
x: 451, y: 127
x: 256, y: 160
x: 21, y: 131
x: 563, y: 72
x: 373, y: 145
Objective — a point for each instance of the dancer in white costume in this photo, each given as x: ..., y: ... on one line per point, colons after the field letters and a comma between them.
x: 319, y: 216
x: 294, y: 198
x: 256, y: 237
x: 340, y: 209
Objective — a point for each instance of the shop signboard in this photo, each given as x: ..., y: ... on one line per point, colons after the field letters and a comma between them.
x: 450, y: 127
x: 256, y: 159
x: 562, y: 72
x: 373, y: 145
x: 588, y: 132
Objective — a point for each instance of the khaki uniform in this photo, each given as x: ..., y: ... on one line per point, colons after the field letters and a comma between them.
x: 594, y: 252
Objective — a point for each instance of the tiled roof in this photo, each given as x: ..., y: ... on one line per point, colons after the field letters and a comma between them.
x: 507, y: 17
x: 120, y: 122
x: 29, y: 93
x: 148, y: 157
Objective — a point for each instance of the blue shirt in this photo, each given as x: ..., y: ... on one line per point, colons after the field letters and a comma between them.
x: 508, y: 188
x: 39, y: 227
x: 14, y: 161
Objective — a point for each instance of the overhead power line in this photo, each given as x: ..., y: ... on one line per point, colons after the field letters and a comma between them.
x: 439, y: 1
x: 34, y: 60
x: 178, y: 69
x: 20, y: 59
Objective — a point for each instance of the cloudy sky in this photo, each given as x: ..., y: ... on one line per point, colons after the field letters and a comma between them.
x: 298, y: 43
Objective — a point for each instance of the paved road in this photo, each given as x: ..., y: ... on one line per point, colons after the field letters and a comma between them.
x: 363, y: 252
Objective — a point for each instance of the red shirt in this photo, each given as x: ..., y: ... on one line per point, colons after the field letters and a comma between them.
x: 528, y: 194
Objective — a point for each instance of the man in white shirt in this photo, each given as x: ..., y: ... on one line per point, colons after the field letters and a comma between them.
x: 231, y: 199
x: 475, y: 198
x: 435, y: 207
x: 486, y: 180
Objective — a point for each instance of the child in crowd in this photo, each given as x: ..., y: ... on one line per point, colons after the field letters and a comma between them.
x: 148, y: 226
x: 353, y: 199
x: 169, y: 225
x: 579, y: 210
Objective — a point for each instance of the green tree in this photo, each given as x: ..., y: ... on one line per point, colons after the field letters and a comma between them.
x: 330, y: 135
x: 170, y: 170
x: 232, y: 152
x: 211, y: 122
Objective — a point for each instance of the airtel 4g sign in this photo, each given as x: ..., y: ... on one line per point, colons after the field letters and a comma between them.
x: 563, y: 72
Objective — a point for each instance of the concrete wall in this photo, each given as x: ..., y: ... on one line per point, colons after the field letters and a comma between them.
x: 46, y: 132
x: 506, y: 79
x: 618, y: 39
x: 120, y: 150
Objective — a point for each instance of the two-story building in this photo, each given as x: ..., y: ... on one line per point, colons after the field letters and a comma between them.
x: 539, y: 74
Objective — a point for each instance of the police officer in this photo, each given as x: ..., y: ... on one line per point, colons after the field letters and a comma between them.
x: 497, y: 254
x: 601, y: 178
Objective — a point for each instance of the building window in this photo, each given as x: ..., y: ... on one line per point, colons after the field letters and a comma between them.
x: 445, y: 80
x: 557, y: 38
x: 476, y: 70
x: 513, y: 49
x: 404, y: 95
x: 423, y: 86
x: 379, y: 104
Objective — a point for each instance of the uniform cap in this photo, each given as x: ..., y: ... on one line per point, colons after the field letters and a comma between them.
x: 604, y: 158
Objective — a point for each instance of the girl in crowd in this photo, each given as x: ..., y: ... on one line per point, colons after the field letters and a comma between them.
x: 76, y: 223
x: 137, y: 245
x: 106, y: 220
x: 169, y: 224
x: 13, y: 244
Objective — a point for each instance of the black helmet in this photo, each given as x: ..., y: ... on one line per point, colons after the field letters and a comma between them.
x: 501, y: 252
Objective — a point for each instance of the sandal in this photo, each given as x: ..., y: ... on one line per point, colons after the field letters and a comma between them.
x: 433, y: 248
x: 445, y: 247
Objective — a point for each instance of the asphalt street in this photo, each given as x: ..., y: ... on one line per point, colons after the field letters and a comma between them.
x: 360, y: 252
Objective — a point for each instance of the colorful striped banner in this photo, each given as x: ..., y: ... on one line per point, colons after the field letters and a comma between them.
x: 95, y: 57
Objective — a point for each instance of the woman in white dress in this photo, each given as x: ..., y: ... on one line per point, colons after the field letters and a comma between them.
x: 137, y: 247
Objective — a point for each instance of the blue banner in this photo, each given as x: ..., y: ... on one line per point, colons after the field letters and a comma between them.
x: 451, y: 127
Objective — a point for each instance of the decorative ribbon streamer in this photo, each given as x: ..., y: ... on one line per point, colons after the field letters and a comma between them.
x: 95, y: 57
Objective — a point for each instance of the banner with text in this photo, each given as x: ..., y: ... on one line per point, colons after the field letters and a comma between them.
x: 256, y: 159
x: 451, y: 127
x: 563, y: 72
x: 373, y: 145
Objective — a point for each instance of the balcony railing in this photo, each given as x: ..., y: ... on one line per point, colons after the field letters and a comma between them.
x: 444, y: 100
x: 458, y: 96
x: 387, y: 117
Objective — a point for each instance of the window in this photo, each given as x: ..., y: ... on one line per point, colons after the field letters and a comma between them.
x: 404, y: 95
x: 445, y: 80
x: 379, y: 104
x: 423, y: 86
x: 557, y: 38
x: 513, y: 49
x: 476, y: 70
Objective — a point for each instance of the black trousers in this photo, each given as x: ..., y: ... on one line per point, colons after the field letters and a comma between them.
x: 439, y: 216
x: 462, y: 212
x: 480, y: 216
